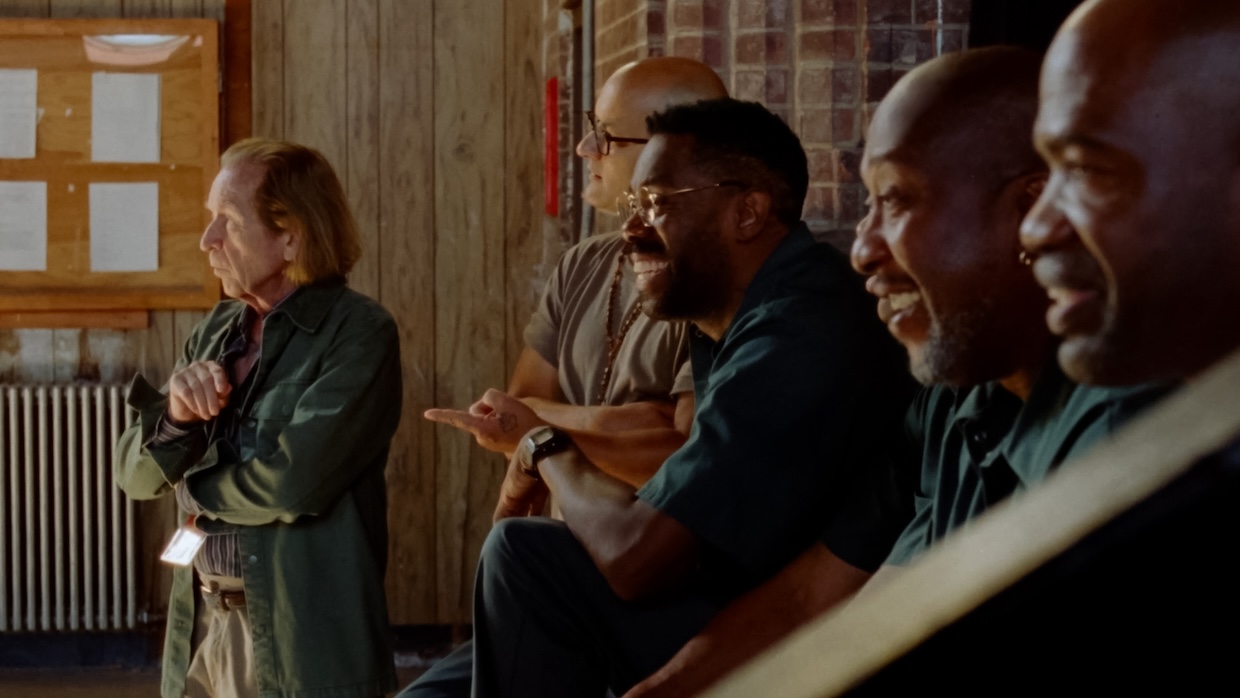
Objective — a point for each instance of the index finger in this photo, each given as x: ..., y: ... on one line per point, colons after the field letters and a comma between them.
x: 220, y: 376
x: 454, y: 418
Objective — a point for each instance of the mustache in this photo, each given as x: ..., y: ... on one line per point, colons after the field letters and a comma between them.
x: 644, y: 246
x: 1073, y: 268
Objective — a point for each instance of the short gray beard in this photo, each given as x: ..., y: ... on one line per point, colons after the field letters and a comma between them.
x: 948, y: 356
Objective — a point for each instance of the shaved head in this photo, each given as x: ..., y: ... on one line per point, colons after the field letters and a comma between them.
x: 631, y: 94
x: 950, y: 172
x: 1138, y: 231
x: 966, y: 114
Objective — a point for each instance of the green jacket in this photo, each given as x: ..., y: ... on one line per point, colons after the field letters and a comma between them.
x: 306, y: 485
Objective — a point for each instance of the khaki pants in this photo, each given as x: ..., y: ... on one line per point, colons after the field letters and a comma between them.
x: 223, y: 660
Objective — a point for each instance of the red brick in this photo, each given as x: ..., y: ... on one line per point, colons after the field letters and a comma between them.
x: 844, y: 127
x: 877, y: 83
x: 751, y: 14
x: 821, y: 165
x: 712, y: 14
x: 776, y: 86
x: 712, y: 51
x: 776, y: 47
x: 889, y: 11
x: 814, y: 86
x: 848, y: 166
x: 749, y: 49
x: 686, y: 14
x: 817, y: 45
x: 953, y: 40
x: 839, y: 238
x: 749, y: 85
x: 911, y: 46
x: 845, y: 42
x: 819, y: 202
x: 837, y: 12
x: 777, y: 14
x: 814, y: 126
x: 877, y: 47
x: 954, y: 11
x: 851, y: 205
x: 845, y: 85
x: 656, y: 23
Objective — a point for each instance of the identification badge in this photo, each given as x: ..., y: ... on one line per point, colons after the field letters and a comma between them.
x: 185, y: 544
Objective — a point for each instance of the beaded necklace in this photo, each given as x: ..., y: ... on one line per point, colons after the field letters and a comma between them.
x: 614, y: 341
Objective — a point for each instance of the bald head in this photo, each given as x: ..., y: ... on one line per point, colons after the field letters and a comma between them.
x: 1138, y: 231
x: 966, y: 114
x: 631, y: 94
x: 950, y: 172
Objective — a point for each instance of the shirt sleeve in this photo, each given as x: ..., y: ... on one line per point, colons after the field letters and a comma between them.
x: 542, y: 333
x: 683, y: 382
x: 790, y: 412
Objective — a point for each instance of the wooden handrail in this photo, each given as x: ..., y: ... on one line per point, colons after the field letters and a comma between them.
x: 848, y: 645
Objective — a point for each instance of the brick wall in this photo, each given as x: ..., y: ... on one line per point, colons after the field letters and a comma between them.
x: 822, y: 65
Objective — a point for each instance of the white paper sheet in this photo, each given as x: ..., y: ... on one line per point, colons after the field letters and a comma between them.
x: 23, y: 226
x: 124, y: 227
x: 124, y: 117
x: 19, y: 90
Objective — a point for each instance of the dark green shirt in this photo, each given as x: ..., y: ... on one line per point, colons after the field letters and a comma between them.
x: 302, y: 479
x: 793, y: 400
x: 978, y: 445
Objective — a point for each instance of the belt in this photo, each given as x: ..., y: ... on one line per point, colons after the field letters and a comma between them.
x: 223, y: 599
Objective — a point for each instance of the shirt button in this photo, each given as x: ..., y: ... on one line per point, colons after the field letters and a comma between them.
x: 251, y: 422
x: 979, y: 437
x: 253, y: 559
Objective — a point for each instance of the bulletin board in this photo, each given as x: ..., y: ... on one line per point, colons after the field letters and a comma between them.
x: 72, y: 59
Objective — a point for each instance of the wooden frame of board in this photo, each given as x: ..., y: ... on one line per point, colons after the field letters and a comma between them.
x: 66, y: 53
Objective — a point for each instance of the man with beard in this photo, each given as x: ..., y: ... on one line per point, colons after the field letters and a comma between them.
x: 1137, y: 241
x: 950, y: 172
x: 797, y: 388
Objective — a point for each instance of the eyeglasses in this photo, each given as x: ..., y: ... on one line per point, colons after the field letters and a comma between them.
x: 603, y: 139
x: 643, y: 203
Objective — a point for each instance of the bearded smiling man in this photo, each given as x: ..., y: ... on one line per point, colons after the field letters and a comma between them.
x: 797, y: 388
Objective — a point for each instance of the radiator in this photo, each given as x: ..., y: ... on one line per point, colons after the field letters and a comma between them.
x: 67, y: 557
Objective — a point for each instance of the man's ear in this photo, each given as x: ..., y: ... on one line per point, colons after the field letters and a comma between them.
x: 291, y: 241
x: 752, y: 214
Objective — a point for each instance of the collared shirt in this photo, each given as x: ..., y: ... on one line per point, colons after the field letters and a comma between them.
x: 792, y: 402
x: 976, y: 446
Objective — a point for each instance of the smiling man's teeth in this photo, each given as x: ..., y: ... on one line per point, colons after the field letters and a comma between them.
x: 645, y: 267
x: 900, y: 301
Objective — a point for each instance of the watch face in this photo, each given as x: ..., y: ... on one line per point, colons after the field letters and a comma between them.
x: 541, y: 436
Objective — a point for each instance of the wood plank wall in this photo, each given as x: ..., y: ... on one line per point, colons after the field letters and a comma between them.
x: 430, y: 111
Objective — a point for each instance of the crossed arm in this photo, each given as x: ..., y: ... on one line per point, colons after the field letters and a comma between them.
x: 627, y: 441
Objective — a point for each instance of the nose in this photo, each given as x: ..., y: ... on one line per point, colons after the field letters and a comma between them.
x: 211, y: 236
x: 869, y: 250
x: 587, y: 147
x: 636, y: 229
x: 1045, y: 226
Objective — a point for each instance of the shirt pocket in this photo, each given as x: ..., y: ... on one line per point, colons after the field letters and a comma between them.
x: 272, y: 412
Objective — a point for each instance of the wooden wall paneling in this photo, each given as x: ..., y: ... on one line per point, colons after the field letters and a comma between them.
x: 360, y: 169
x: 407, y: 283
x: 315, y: 81
x: 523, y: 175
x: 69, y: 9
x: 469, y: 276
x: 24, y: 8
x: 267, y: 67
x: 163, y: 8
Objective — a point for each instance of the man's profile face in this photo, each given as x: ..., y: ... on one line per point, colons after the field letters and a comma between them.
x: 248, y: 257
x: 1121, y: 231
x: 681, y: 263
x: 615, y: 113
x: 944, y: 267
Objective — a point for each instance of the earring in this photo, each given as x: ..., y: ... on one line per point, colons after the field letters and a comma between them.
x: 1025, y: 258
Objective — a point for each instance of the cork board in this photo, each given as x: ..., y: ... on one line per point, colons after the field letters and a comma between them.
x: 184, y: 53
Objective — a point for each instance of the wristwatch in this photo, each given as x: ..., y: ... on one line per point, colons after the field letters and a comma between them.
x: 539, y: 442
